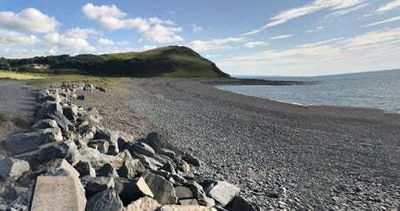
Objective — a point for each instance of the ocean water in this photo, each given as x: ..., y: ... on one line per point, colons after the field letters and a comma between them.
x: 369, y: 90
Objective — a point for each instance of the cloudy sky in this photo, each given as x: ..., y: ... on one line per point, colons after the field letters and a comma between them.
x: 258, y: 37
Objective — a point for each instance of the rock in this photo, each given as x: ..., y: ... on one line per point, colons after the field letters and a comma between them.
x: 96, y: 158
x: 101, y: 89
x: 64, y: 150
x: 24, y: 142
x: 58, y: 193
x: 94, y: 185
x: 154, y: 140
x: 191, y: 159
x: 107, y: 170
x: 11, y: 167
x: 143, y: 204
x: 45, y: 95
x: 171, y: 154
x: 148, y: 162
x: 169, y: 167
x: 240, y: 204
x: 61, y: 120
x: 199, y: 193
x: 188, y: 202
x: 183, y: 192
x: 183, y: 166
x: 45, y: 123
x: 140, y: 148
x: 102, y: 145
x: 111, y: 137
x: 184, y: 208
x: 85, y: 169
x: 80, y: 97
x: 107, y: 200
x: 71, y: 112
x: 163, y: 190
x: 130, y: 190
x: 223, y: 192
x: 131, y: 168
x: 122, y: 143
x: 59, y: 167
x: 48, y: 108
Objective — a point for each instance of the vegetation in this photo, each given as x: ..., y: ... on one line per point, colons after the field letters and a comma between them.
x: 170, y: 61
x: 63, y: 77
x: 2, y: 118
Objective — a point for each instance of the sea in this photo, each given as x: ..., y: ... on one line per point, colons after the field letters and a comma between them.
x: 379, y: 90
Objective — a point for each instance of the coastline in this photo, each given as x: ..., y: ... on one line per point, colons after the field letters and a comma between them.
x: 282, y: 156
x: 285, y: 155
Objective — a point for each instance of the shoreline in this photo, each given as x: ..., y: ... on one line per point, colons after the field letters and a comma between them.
x: 279, y: 152
x: 307, y: 105
x: 282, y: 156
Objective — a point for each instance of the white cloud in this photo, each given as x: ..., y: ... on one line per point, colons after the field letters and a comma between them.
x: 394, y: 4
x: 370, y: 51
x: 255, y: 44
x: 316, y: 29
x: 95, y: 12
x: 57, y: 42
x: 153, y: 28
x: 279, y: 37
x: 215, y: 44
x: 196, y: 28
x: 389, y: 20
x: 80, y: 33
x: 28, y: 20
x: 105, y: 42
x: 315, y: 6
x: 12, y: 38
x: 348, y: 10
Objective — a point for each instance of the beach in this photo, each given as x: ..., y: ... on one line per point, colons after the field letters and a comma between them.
x: 281, y: 155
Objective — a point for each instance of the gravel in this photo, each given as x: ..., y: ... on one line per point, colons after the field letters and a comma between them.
x: 280, y: 155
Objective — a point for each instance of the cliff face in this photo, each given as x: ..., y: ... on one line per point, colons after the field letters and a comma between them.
x: 173, y: 61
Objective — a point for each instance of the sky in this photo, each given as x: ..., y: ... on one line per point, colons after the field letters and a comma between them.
x: 258, y: 37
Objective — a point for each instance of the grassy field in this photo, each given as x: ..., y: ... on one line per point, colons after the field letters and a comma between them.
x: 45, y: 78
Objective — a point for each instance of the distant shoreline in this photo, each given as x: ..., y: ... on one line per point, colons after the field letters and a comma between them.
x: 239, y: 81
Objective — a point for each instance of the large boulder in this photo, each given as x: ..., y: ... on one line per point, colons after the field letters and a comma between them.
x: 240, y: 204
x: 61, y: 120
x: 85, y: 169
x: 107, y: 200
x: 45, y: 123
x: 163, y: 190
x: 131, y: 168
x: 143, y: 204
x: 140, y: 148
x: 199, y: 193
x: 101, y: 144
x: 183, y: 192
x: 11, y: 167
x: 154, y: 140
x: 191, y: 159
x: 95, y: 185
x: 130, y: 190
x: 58, y: 193
x: 71, y: 112
x: 111, y: 137
x: 185, y: 208
x: 59, y: 167
x: 107, y: 170
x: 25, y: 142
x: 223, y: 192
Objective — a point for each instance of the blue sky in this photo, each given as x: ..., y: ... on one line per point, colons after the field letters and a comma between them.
x: 261, y: 37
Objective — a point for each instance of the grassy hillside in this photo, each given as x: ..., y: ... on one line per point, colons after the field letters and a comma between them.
x: 173, y: 61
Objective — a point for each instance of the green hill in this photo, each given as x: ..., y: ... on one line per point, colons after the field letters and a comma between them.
x: 173, y: 61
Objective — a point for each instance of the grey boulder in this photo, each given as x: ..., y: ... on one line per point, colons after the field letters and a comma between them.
x: 11, y: 167
x: 107, y: 200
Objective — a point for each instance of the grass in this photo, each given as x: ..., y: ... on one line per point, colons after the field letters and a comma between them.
x: 2, y: 118
x: 46, y: 78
